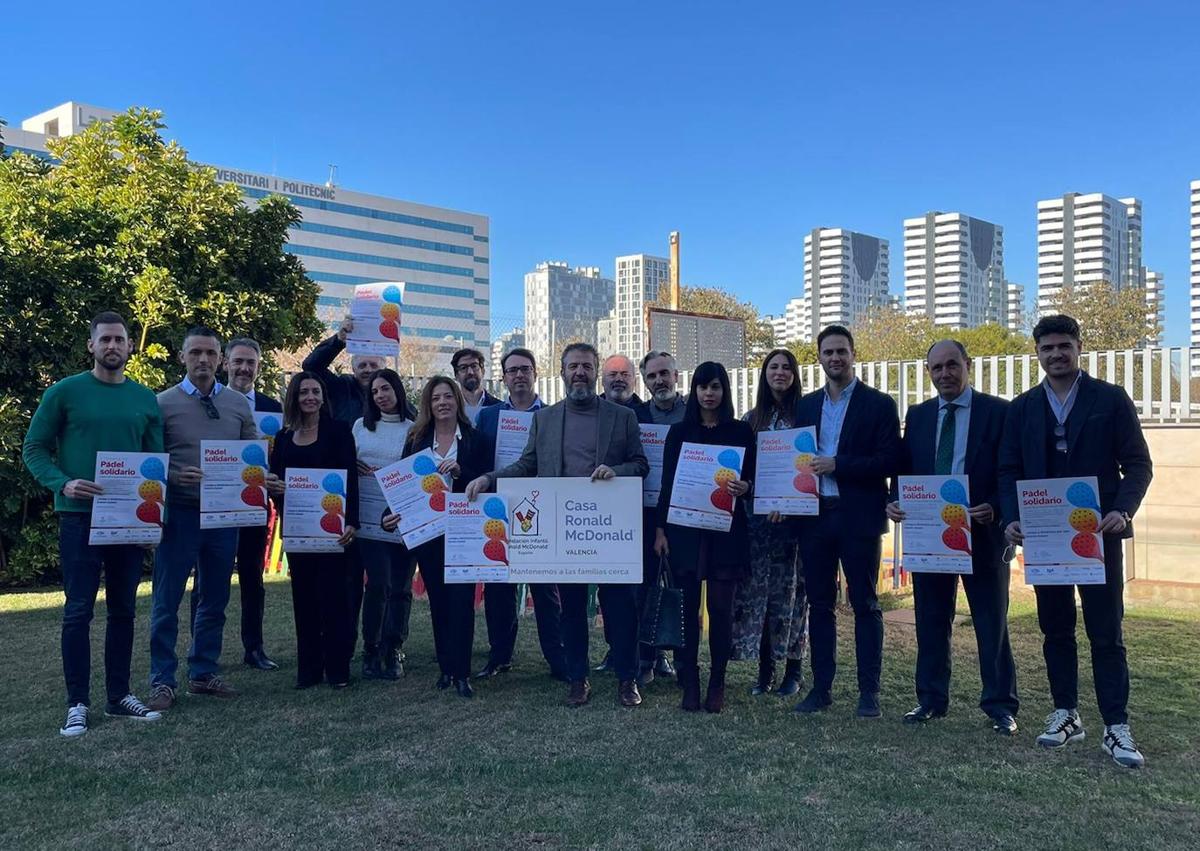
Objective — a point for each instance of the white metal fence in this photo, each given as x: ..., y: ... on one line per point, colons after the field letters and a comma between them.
x: 1157, y: 379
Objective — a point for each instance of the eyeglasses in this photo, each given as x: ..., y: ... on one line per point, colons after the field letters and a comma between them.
x: 1060, y: 437
x: 519, y: 370
x: 469, y: 366
x: 210, y: 408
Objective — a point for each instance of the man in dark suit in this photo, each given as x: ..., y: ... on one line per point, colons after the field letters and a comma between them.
x: 346, y: 392
x: 858, y: 448
x: 584, y: 435
x: 958, y: 433
x: 1075, y: 425
x: 468, y: 372
x: 243, y: 359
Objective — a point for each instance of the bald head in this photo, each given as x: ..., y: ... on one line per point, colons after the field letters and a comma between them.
x: 617, y: 376
x: 949, y: 368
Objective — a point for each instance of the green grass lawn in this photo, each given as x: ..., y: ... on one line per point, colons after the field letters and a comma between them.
x: 404, y: 765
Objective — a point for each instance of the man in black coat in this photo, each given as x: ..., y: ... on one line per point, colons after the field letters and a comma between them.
x: 1074, y: 425
x: 858, y: 448
x: 346, y: 392
x: 958, y: 433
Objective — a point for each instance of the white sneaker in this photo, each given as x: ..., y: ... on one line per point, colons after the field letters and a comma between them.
x: 1118, y: 743
x: 130, y: 707
x: 77, y: 721
x: 1062, y: 726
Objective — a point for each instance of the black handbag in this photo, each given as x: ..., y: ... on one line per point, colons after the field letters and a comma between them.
x: 661, y: 623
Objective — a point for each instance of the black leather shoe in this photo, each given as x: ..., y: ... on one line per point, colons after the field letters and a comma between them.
x: 645, y: 676
x: 463, y: 687
x: 259, y: 659
x: 790, y: 686
x: 605, y: 665
x: 868, y: 706
x: 1005, y: 725
x: 663, y: 666
x: 392, y: 665
x: 444, y: 681
x: 762, y: 687
x: 490, y: 670
x: 922, y: 714
x: 814, y: 701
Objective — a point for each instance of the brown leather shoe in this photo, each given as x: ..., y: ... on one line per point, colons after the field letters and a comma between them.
x: 162, y: 698
x: 580, y: 694
x: 689, y: 680
x: 629, y: 694
x: 212, y: 686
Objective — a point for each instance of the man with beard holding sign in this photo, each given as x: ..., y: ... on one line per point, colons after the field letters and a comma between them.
x: 584, y: 435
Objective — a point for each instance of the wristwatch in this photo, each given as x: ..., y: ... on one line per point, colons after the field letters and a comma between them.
x: 1125, y: 516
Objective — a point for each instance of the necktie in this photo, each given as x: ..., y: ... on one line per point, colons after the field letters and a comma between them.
x: 943, y: 463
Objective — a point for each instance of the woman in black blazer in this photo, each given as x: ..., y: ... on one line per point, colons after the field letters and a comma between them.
x: 722, y: 559
x: 312, y: 438
x: 463, y: 454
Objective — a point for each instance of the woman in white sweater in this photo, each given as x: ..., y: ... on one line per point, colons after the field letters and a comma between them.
x: 387, y: 601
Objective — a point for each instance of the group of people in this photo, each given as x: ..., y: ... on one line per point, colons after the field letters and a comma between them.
x: 771, y: 582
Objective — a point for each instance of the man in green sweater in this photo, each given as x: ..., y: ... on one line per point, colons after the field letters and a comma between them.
x: 95, y: 411
x: 198, y: 408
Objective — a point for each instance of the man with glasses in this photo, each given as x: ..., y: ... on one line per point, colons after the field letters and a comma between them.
x: 501, y: 601
x: 1074, y: 425
x: 468, y: 372
x: 198, y: 408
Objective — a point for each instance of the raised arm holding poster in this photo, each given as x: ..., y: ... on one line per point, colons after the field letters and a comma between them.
x: 936, y: 533
x: 130, y: 510
x: 783, y: 480
x: 415, y: 491
x: 512, y: 433
x: 314, y: 510
x: 232, y: 491
x: 654, y: 439
x: 375, y: 311
x: 700, y: 495
x: 476, y: 539
x: 1060, y: 519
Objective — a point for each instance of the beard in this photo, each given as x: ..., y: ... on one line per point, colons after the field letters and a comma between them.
x: 666, y: 394
x: 581, y: 392
x: 470, y: 383
x: 618, y: 394
x: 113, y: 360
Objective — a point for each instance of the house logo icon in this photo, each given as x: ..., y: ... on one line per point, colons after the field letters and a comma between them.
x: 524, y: 520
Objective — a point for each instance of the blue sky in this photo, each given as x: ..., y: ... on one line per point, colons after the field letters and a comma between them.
x: 590, y: 130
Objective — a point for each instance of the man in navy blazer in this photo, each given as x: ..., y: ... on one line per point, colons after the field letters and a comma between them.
x: 858, y: 448
x: 958, y: 433
x: 1074, y: 425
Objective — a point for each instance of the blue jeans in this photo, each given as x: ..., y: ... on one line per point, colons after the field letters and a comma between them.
x: 82, y: 565
x: 184, y: 546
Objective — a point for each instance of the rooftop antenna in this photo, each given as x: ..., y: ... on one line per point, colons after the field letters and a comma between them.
x: 332, y: 174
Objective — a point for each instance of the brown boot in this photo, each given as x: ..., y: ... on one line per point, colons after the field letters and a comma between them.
x: 689, y: 680
x: 580, y: 693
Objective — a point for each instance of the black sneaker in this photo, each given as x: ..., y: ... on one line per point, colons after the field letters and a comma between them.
x: 393, y: 665
x: 132, y: 708
x: 605, y: 665
x: 77, y: 721
x: 815, y: 701
x: 372, y: 665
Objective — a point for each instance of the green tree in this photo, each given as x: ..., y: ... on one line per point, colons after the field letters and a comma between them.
x: 888, y: 334
x: 1108, y: 318
x: 760, y: 336
x: 125, y: 221
x: 992, y: 339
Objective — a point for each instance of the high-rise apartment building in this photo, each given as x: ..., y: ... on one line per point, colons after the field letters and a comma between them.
x: 639, y: 280
x: 502, y: 345
x: 1194, y: 286
x: 1155, y: 308
x: 1014, y: 306
x: 563, y: 305
x: 788, y: 325
x: 845, y: 275
x: 347, y: 238
x: 954, y: 270
x: 1083, y: 239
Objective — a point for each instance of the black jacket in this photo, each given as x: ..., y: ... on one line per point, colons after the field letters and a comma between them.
x: 1104, y: 439
x: 868, y: 453
x: 335, y: 450
x: 345, y: 393
x: 917, y: 457
x: 266, y: 403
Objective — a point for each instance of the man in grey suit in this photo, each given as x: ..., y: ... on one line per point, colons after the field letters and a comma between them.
x: 584, y: 435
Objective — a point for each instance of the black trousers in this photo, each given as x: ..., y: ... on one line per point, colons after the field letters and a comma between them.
x: 619, y: 604
x: 322, y: 617
x: 451, y: 609
x: 825, y: 542
x: 720, y: 626
x: 354, y: 591
x: 387, y: 598
x: 1103, y: 610
x: 934, y: 596
x: 502, y: 607
x: 251, y: 550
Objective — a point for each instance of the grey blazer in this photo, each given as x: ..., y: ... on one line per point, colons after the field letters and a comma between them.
x: 619, y: 446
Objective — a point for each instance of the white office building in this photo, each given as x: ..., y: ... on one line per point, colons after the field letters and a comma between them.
x: 640, y: 278
x: 845, y: 275
x: 1195, y: 278
x: 1155, y: 308
x: 502, y: 345
x: 954, y: 270
x: 1083, y: 239
x: 788, y: 325
x: 563, y: 305
x: 1014, y: 310
x: 348, y: 238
